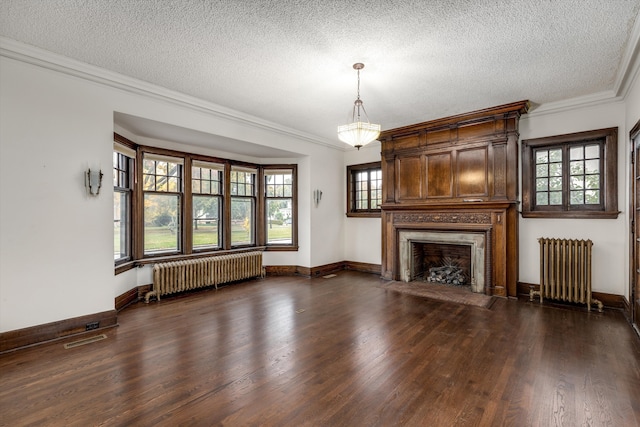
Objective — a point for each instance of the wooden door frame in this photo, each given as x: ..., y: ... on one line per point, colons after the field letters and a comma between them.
x: 634, y: 305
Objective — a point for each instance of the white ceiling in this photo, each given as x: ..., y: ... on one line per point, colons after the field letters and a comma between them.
x: 290, y: 61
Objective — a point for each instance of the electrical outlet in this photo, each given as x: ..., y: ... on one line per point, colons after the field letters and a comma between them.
x: 92, y: 325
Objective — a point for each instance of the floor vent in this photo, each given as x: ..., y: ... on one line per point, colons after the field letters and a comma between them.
x: 84, y: 341
x: 329, y: 276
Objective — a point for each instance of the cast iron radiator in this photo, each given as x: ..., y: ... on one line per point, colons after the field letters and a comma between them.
x: 565, y: 271
x: 179, y: 276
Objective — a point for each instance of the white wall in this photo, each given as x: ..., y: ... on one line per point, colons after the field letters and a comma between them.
x: 609, y: 236
x: 363, y: 236
x: 56, y: 242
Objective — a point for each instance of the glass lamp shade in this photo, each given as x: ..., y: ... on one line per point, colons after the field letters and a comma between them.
x: 358, y: 134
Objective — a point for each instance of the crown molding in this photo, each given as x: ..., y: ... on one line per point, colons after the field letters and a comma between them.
x: 629, y: 63
x: 598, y: 98
x: 45, y: 59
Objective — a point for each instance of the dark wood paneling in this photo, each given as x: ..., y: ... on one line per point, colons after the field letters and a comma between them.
x: 472, y: 173
x: 38, y: 334
x: 410, y: 178
x: 475, y: 130
x: 470, y: 163
x: 327, y: 269
x: 362, y: 267
x: 280, y: 270
x: 126, y: 298
x: 439, y: 175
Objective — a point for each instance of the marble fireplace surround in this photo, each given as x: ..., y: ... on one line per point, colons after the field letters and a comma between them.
x: 477, y: 242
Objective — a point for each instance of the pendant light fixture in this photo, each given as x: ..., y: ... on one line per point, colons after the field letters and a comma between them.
x: 358, y: 133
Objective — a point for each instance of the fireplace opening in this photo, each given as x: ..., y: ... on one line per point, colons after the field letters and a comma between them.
x: 421, y: 250
x: 446, y: 264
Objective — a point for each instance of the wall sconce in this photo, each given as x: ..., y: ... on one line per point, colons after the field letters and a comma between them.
x: 93, y: 182
x: 317, y: 196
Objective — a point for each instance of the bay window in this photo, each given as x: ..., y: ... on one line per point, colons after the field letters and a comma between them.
x: 173, y: 205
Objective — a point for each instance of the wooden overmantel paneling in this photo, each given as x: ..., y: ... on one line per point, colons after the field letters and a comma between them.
x: 465, y: 163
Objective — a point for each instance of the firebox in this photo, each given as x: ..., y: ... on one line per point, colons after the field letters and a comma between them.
x: 424, y: 252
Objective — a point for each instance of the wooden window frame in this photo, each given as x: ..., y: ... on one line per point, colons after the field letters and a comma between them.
x: 293, y: 246
x: 255, y: 171
x: 128, y: 263
x: 219, y: 195
x: 351, y: 209
x: 608, y: 209
x: 179, y: 193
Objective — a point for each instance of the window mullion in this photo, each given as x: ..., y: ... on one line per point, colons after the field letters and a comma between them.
x: 566, y: 177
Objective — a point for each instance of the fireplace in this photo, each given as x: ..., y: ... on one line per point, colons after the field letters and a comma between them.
x: 454, y: 181
x: 421, y: 250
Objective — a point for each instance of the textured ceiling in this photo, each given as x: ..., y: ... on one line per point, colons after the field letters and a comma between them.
x: 290, y: 61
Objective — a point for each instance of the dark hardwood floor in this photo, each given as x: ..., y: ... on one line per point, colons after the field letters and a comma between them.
x: 291, y: 351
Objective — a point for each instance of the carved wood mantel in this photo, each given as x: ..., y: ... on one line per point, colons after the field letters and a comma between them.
x: 458, y: 173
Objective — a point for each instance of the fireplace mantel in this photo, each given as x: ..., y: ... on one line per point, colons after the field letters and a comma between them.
x: 455, y: 174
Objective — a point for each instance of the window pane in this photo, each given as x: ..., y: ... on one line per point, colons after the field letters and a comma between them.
x: 242, y: 183
x: 161, y: 176
x: 555, y: 184
x: 161, y: 223
x: 592, y: 166
x: 542, y: 156
x: 542, y: 170
x: 242, y: 221
x: 555, y: 155
x: 206, y: 180
x: 555, y: 198
x: 555, y: 169
x: 120, y: 225
x: 279, y: 221
x: 577, y: 182
x: 592, y: 152
x: 206, y: 222
x: 592, y: 182
x: 576, y: 167
x: 576, y: 153
x: 173, y: 184
x: 542, y: 198
x: 542, y: 184
x: 592, y: 197
x: 577, y: 197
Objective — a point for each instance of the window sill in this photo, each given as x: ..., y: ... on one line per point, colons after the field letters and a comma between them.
x: 276, y: 248
x: 125, y: 266
x: 571, y: 214
x: 364, y: 214
x: 158, y: 259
